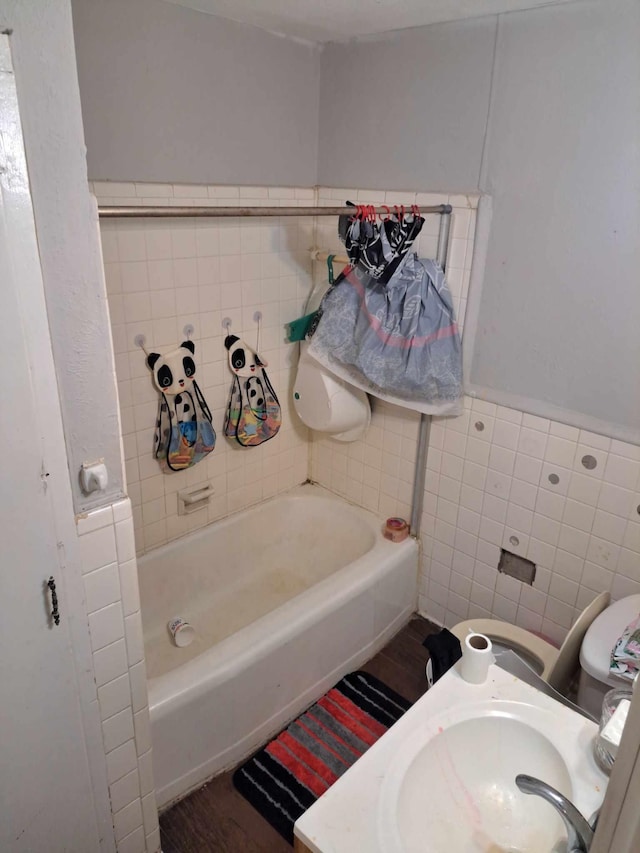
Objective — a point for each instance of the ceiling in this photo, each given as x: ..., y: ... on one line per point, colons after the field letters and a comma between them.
x: 336, y: 20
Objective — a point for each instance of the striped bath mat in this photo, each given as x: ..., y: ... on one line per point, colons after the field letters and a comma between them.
x: 293, y: 770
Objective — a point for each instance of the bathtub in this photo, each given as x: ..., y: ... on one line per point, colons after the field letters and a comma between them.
x: 285, y: 598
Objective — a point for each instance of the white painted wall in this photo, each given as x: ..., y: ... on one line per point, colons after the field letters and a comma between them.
x: 177, y: 96
x: 68, y: 239
x: 407, y: 110
x: 559, y: 311
x: 536, y: 108
x: 557, y: 317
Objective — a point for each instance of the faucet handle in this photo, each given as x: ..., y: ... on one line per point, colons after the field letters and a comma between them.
x: 579, y: 833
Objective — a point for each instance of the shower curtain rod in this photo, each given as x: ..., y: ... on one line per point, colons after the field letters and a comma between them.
x: 157, y: 212
x: 445, y: 210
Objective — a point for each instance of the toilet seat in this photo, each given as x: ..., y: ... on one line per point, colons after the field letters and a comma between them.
x: 557, y: 665
x: 538, y: 653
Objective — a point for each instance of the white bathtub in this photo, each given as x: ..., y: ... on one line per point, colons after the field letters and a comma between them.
x: 286, y: 598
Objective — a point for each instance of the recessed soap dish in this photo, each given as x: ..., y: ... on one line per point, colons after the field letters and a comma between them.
x: 191, y: 500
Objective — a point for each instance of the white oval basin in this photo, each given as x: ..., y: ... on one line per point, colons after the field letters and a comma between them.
x: 456, y: 792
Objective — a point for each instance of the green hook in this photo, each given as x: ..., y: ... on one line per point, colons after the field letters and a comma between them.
x: 330, y: 267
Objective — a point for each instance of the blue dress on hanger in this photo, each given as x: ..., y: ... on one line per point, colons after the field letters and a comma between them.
x: 387, y: 325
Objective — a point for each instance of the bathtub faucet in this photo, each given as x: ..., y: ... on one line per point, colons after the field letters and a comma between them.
x: 579, y: 833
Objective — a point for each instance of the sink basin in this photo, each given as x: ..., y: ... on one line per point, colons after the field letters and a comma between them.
x: 454, y: 790
x: 442, y: 779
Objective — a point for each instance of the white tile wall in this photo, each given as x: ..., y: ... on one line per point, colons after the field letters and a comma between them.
x: 165, y: 274
x: 162, y: 275
x: 519, y: 482
x: 113, y: 606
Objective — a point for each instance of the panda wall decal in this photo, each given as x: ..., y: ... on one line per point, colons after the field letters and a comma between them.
x: 184, y: 430
x: 253, y: 413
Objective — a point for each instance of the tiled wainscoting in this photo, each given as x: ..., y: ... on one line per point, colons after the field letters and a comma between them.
x: 113, y: 604
x: 165, y: 274
x: 564, y: 498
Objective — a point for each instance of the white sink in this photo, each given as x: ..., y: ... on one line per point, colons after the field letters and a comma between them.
x: 458, y: 788
x: 442, y: 779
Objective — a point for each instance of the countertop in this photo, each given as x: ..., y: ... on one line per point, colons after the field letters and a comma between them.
x: 352, y: 816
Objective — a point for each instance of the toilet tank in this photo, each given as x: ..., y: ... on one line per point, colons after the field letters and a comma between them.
x: 595, y: 654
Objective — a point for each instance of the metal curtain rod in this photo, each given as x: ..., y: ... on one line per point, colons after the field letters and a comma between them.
x: 157, y: 212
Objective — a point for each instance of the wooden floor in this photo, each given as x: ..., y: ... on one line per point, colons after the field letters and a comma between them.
x: 217, y: 818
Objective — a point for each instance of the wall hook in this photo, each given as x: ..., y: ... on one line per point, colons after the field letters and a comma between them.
x: 330, y: 267
x: 257, y: 318
x: 188, y: 331
x: 55, y: 613
x: 226, y: 323
x: 140, y: 341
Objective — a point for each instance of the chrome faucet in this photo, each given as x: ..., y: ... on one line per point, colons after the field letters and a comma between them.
x: 579, y: 832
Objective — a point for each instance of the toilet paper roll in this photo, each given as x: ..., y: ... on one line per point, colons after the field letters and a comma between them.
x: 476, y: 658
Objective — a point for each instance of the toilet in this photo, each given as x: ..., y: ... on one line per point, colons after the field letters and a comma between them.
x: 325, y: 403
x: 595, y: 653
x: 590, y: 640
x: 556, y: 666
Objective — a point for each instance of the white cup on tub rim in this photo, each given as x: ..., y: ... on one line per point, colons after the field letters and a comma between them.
x: 182, y: 632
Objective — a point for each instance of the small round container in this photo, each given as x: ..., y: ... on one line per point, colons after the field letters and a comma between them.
x: 395, y: 529
x: 181, y: 631
x: 612, y: 699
